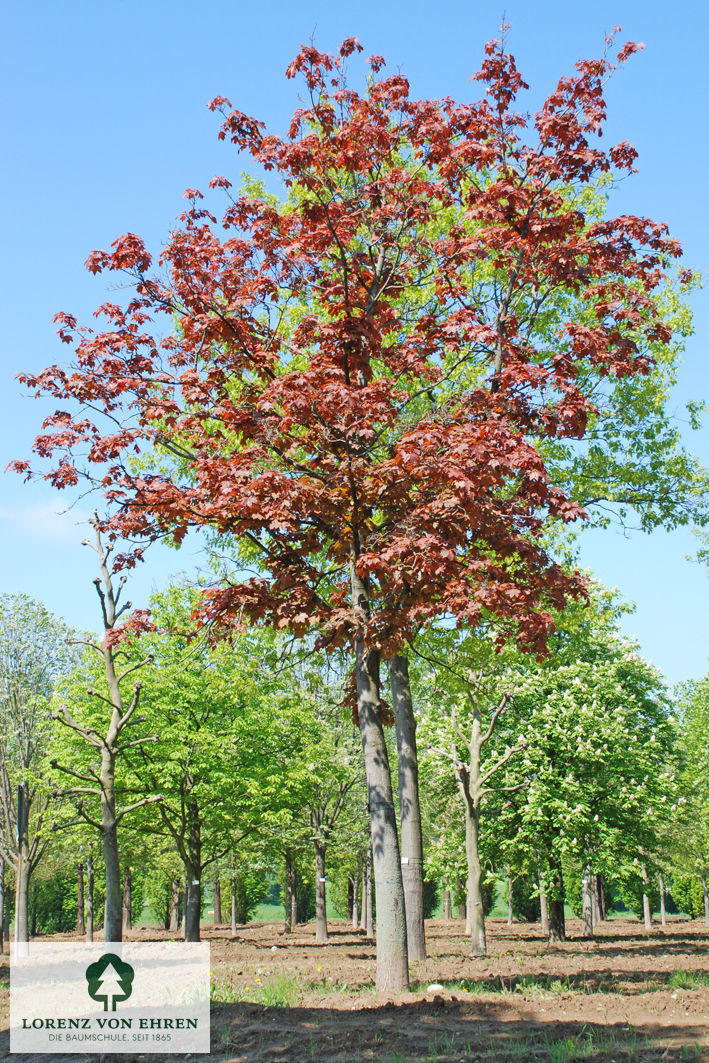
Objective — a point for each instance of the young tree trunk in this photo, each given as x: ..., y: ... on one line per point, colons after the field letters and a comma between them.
x: 80, y: 916
x: 510, y: 899
x: 90, y: 899
x: 409, y: 807
x: 174, y: 906
x: 127, y: 900
x: 2, y: 904
x: 600, y: 895
x: 392, y: 954
x: 365, y: 900
x: 557, y: 923
x: 587, y: 903
x: 232, y: 885
x: 370, y: 905
x: 647, y: 914
x: 594, y: 900
x: 217, y: 901
x: 447, y: 905
x: 705, y: 891
x: 463, y: 912
x: 663, y: 909
x: 294, y: 897
x: 193, y: 904
x: 321, y: 934
x: 22, y: 893
x: 288, y: 906
x: 355, y: 891
x: 113, y: 918
x: 474, y: 907
x: 543, y: 908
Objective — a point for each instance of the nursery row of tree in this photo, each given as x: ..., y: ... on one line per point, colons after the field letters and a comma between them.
x: 237, y: 760
x: 376, y: 395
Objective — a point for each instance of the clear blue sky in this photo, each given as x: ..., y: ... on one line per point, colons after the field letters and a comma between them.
x: 105, y: 124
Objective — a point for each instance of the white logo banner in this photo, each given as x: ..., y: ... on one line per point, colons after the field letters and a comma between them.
x: 130, y: 996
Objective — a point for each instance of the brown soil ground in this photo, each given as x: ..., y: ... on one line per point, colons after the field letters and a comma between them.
x: 625, y: 996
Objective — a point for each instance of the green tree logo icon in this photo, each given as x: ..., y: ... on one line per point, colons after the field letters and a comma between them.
x: 110, y: 980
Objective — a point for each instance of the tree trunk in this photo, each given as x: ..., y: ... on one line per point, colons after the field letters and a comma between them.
x: 288, y: 918
x: 127, y: 900
x: 90, y: 899
x: 355, y: 892
x: 22, y: 892
x: 392, y: 954
x: 474, y: 907
x: 663, y: 909
x: 557, y: 923
x: 370, y: 905
x: 2, y: 904
x: 217, y: 901
x: 174, y: 906
x: 294, y: 897
x: 594, y: 900
x: 647, y: 914
x: 706, y: 898
x: 80, y: 917
x: 463, y: 912
x: 193, y: 904
x: 232, y: 886
x: 409, y: 807
x: 600, y: 894
x: 365, y: 899
x: 543, y: 907
x: 447, y: 905
x: 510, y: 899
x: 113, y: 918
x: 321, y: 934
x: 587, y: 903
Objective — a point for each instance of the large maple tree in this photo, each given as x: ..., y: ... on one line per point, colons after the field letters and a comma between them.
x: 352, y: 382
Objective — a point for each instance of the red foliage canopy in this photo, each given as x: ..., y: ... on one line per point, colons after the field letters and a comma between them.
x: 355, y: 382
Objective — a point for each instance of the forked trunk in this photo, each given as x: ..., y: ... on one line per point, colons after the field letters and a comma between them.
x: 392, y: 954
x: 476, y: 914
x: 80, y: 916
x: 321, y: 934
x: 557, y: 922
x: 587, y: 903
x: 409, y: 807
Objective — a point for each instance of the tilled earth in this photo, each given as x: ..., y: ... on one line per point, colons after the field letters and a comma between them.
x: 625, y: 996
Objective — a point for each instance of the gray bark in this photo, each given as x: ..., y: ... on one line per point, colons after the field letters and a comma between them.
x: 288, y: 918
x: 294, y: 898
x: 647, y: 914
x: 174, y: 906
x: 217, y: 901
x: 127, y: 900
x: 355, y: 904
x: 370, y: 906
x: 447, y: 905
x: 80, y: 916
x: 90, y: 899
x: 543, y: 907
x: 510, y: 899
x: 365, y: 899
x: 321, y: 934
x: 392, y: 954
x: 193, y: 904
x: 474, y: 907
x: 23, y: 870
x: 663, y: 909
x: 409, y: 807
x: 557, y: 922
x: 587, y: 903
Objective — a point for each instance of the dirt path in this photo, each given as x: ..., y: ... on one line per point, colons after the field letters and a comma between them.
x: 625, y: 996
